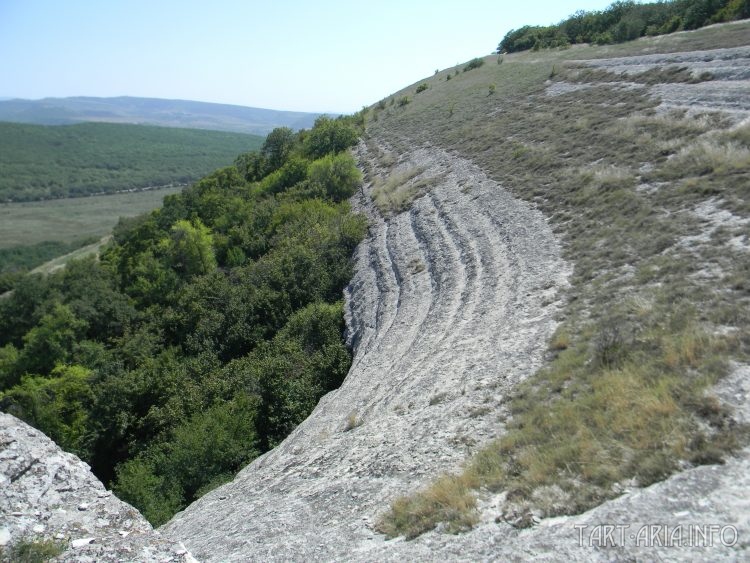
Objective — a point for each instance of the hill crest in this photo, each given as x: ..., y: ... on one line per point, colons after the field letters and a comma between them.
x: 153, y: 111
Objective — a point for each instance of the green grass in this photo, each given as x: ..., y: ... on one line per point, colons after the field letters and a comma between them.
x: 72, y: 219
x: 43, y: 162
x: 651, y: 322
x: 32, y: 551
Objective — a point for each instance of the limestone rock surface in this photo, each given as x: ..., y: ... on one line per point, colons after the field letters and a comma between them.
x: 48, y: 494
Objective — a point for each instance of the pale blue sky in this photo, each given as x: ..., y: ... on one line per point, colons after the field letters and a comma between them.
x: 329, y: 55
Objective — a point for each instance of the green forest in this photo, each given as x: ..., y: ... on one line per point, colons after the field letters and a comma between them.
x: 624, y: 21
x: 55, y: 161
x: 207, y: 330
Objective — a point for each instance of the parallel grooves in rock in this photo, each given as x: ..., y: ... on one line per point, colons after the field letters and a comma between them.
x: 432, y: 345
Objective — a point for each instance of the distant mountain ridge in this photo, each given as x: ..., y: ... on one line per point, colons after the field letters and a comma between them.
x: 153, y: 111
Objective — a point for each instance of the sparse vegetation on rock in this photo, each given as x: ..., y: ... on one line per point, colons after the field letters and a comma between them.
x: 627, y: 393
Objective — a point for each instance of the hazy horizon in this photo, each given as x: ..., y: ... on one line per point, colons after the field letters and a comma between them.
x: 13, y: 98
x: 332, y: 57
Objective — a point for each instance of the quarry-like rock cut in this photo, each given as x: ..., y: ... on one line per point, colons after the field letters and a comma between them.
x: 451, y: 305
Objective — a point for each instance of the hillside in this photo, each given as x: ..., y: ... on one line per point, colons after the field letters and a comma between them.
x: 44, y: 162
x: 212, y: 323
x: 549, y: 318
x: 601, y: 191
x: 153, y: 111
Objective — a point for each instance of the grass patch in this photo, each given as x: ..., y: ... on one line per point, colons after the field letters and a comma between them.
x: 32, y: 551
x: 398, y: 190
x: 706, y: 156
x: 69, y: 220
x: 416, y: 266
x: 448, y: 500
x: 353, y: 420
x: 611, y: 421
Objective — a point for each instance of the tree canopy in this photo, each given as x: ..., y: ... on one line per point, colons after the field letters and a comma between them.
x: 207, y: 330
x: 625, y: 20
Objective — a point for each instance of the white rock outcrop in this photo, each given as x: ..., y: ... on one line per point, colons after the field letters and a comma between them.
x: 48, y: 494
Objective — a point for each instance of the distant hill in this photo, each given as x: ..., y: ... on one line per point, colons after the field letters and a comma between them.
x: 43, y: 162
x: 152, y: 111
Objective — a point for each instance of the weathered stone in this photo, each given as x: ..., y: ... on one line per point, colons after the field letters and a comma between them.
x: 438, y: 340
x: 81, y: 513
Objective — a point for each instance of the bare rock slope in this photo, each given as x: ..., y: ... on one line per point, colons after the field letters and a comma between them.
x: 451, y: 306
x: 48, y: 494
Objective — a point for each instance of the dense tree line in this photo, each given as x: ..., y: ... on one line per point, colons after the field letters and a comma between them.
x: 55, y: 161
x: 207, y: 330
x: 624, y: 21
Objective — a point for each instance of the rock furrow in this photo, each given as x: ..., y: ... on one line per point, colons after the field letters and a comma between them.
x: 445, y: 313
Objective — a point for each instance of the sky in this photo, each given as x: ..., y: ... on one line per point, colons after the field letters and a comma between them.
x: 327, y: 56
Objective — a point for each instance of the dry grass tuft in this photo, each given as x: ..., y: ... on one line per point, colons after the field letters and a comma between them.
x: 353, y: 420
x: 707, y: 156
x: 396, y: 192
x: 449, y: 500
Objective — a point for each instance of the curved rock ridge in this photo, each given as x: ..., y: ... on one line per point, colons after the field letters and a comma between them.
x: 451, y: 306
x: 48, y: 494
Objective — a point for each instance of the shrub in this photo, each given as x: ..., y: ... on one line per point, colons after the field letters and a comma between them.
x: 491, y: 90
x: 421, y: 88
x: 290, y: 174
x: 190, y: 248
x: 329, y: 136
x: 474, y: 63
x: 337, y: 176
x: 403, y: 101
